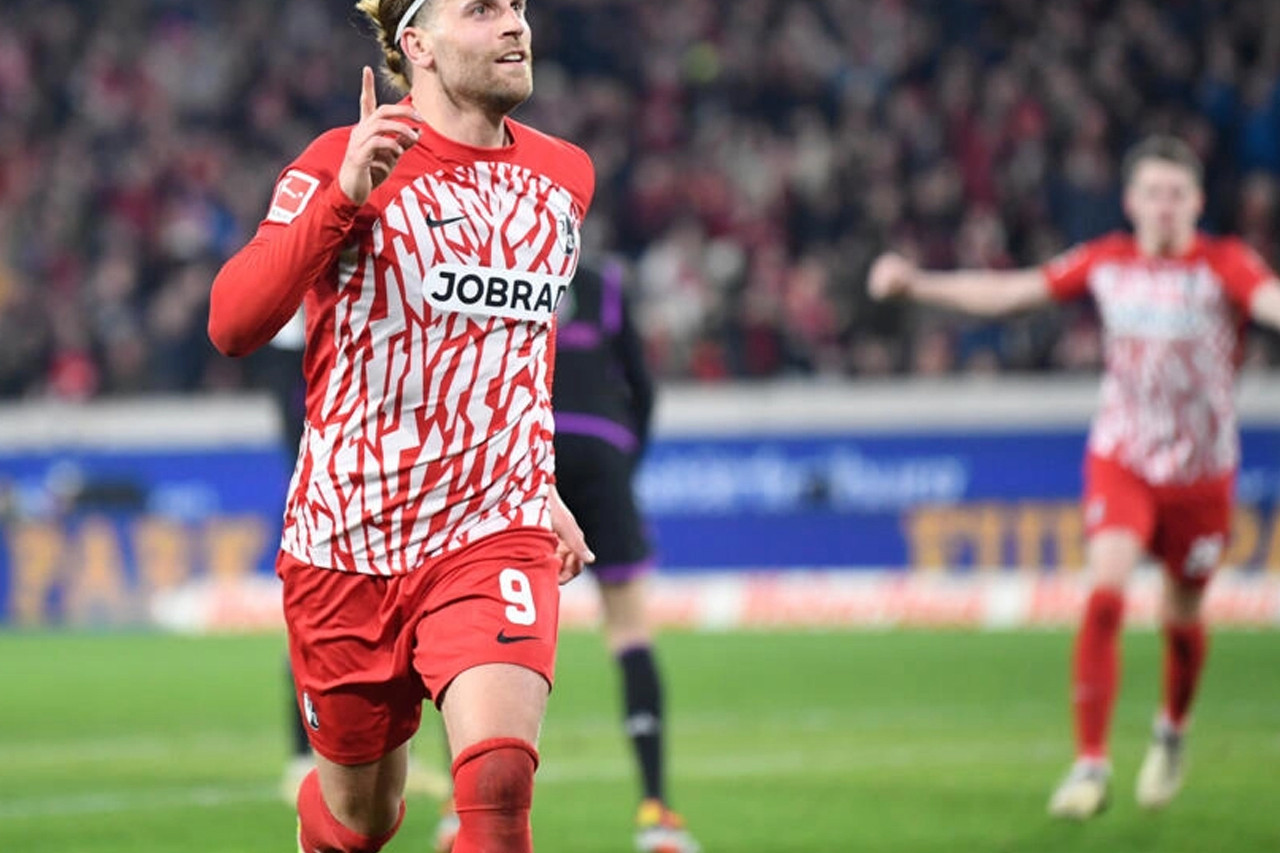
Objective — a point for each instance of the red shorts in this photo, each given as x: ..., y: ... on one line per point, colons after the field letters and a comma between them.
x: 367, y: 650
x: 1185, y: 526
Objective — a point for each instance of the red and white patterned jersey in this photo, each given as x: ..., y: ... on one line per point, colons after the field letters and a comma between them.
x: 429, y: 315
x: 1173, y: 330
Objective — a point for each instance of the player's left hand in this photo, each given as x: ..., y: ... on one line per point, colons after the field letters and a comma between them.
x: 572, y: 545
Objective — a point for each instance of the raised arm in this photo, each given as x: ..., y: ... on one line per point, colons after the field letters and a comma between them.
x: 988, y: 293
x: 261, y: 286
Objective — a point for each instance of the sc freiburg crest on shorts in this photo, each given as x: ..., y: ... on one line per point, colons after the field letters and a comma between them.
x: 313, y: 719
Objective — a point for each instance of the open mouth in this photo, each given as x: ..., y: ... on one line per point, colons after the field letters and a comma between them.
x: 515, y: 57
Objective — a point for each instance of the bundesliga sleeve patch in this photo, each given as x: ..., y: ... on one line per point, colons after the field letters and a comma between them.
x: 292, y: 194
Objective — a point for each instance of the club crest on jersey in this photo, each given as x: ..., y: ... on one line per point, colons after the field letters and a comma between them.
x: 495, y: 292
x: 570, y: 234
x: 292, y: 194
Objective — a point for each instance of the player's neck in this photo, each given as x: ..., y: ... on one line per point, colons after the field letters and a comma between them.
x: 1153, y: 247
x: 463, y: 123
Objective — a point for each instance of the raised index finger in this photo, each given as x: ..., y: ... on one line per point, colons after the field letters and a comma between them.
x: 368, y: 94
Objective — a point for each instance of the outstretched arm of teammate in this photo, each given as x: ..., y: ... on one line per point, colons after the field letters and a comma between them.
x: 1265, y: 306
x: 988, y: 293
x: 572, y: 545
x: 261, y: 286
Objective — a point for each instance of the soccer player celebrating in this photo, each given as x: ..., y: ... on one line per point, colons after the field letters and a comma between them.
x: 1164, y: 447
x: 429, y: 245
x: 603, y: 406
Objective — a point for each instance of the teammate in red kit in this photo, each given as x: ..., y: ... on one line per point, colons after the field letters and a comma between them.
x: 423, y: 537
x: 1164, y: 447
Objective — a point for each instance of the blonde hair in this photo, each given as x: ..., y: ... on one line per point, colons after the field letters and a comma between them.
x: 385, y: 16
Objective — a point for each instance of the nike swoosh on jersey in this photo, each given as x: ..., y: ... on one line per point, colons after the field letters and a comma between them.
x: 504, y: 638
x: 440, y: 223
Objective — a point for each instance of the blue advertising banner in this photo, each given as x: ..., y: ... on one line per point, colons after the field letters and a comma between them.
x: 925, y: 500
x: 87, y: 537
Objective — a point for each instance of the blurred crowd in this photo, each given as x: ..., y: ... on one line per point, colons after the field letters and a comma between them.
x: 753, y: 156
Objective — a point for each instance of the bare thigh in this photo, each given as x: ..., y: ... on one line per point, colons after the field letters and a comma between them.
x: 1113, y: 554
x: 494, y: 700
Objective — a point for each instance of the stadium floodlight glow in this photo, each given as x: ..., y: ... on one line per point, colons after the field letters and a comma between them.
x: 406, y: 18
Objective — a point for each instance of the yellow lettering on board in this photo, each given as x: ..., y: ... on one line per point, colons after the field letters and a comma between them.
x: 234, y: 545
x: 925, y: 537
x: 988, y: 535
x: 163, y: 549
x: 1070, y: 537
x: 1032, y: 528
x: 1246, y: 532
x: 97, y: 590
x: 938, y: 536
x: 1271, y: 562
x: 35, y: 554
x: 1048, y: 535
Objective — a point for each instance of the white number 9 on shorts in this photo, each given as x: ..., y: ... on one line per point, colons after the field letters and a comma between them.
x: 518, y: 593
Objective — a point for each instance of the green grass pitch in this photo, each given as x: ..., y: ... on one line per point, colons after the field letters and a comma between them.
x: 897, y: 741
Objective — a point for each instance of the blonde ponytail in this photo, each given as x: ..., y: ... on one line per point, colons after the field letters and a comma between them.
x: 385, y: 17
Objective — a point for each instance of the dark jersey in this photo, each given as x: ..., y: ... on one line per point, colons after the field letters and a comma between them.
x: 602, y: 387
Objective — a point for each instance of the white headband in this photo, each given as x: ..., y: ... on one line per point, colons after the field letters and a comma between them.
x: 406, y: 18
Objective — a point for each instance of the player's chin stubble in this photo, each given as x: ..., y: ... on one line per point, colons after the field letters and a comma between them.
x: 503, y: 96
x: 492, y: 91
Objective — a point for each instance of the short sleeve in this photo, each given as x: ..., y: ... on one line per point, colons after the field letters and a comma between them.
x: 1067, y: 275
x: 1242, y: 271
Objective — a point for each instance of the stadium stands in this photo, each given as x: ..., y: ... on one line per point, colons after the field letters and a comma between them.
x: 753, y: 155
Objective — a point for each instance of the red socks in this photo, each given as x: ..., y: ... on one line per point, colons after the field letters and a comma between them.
x: 492, y: 793
x: 1096, y: 670
x: 1184, y: 653
x: 320, y: 832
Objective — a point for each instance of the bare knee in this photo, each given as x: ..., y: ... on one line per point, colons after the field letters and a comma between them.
x: 1113, y: 555
x: 326, y: 827
x: 365, y: 798
x: 1181, y: 603
x: 367, y: 813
